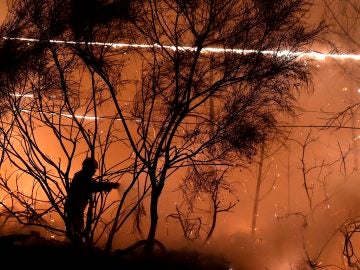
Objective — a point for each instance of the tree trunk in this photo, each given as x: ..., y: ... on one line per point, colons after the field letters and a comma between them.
x: 150, y: 242
x: 257, y: 192
x: 214, y: 218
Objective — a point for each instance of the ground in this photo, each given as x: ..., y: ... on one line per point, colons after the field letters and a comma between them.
x: 31, y: 251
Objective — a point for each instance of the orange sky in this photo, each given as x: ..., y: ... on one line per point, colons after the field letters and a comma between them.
x: 3, y: 9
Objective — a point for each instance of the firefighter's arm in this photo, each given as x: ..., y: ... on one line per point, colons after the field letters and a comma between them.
x: 104, y: 186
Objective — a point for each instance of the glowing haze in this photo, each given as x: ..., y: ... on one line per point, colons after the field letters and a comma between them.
x: 287, y: 229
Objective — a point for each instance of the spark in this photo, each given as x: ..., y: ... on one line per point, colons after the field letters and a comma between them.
x: 279, y: 53
x: 22, y: 95
x: 84, y: 117
x: 79, y: 116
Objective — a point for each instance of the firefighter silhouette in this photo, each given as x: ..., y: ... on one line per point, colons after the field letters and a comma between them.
x: 82, y: 187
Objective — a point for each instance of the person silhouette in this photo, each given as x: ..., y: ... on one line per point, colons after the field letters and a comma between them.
x: 79, y: 195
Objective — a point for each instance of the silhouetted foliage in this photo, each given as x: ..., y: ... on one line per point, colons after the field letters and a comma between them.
x: 184, y: 107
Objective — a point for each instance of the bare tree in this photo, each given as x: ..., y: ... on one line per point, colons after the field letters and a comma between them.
x: 205, y: 193
x: 43, y: 94
x: 350, y: 229
x: 254, y: 78
x: 263, y: 168
x: 176, y: 85
x: 343, y: 19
